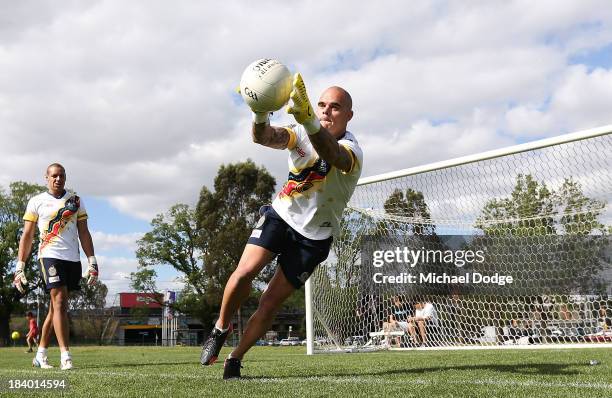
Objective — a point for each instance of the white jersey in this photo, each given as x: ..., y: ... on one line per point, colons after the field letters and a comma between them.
x: 316, y: 193
x: 428, y: 311
x: 57, y: 222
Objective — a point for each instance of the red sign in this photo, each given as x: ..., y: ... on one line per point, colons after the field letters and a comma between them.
x: 148, y: 300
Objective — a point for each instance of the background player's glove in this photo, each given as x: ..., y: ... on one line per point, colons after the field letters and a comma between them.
x: 20, y: 278
x: 92, y: 270
x: 261, y: 117
x: 301, y: 109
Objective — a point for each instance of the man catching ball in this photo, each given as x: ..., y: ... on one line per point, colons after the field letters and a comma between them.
x: 325, y: 163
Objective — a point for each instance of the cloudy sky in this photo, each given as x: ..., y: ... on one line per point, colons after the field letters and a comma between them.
x: 137, y: 98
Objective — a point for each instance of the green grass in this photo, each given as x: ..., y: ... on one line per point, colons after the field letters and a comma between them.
x: 288, y: 372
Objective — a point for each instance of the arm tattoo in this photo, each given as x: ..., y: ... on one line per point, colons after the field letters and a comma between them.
x: 279, y: 138
x: 270, y: 136
x: 328, y: 148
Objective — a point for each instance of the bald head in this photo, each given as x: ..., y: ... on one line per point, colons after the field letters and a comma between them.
x: 54, y: 165
x: 343, y: 94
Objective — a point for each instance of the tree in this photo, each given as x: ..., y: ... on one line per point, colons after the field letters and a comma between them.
x: 584, y: 236
x: 173, y: 240
x: 535, y: 210
x: 143, y: 280
x: 12, y: 208
x: 226, y: 218
x: 91, y: 316
x: 537, y: 226
x: 355, y: 227
x: 578, y: 214
x: 413, y: 209
x: 205, y: 243
x: 408, y: 224
x: 90, y: 297
x: 527, y: 212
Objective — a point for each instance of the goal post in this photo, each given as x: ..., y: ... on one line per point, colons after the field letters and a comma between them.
x: 506, y: 248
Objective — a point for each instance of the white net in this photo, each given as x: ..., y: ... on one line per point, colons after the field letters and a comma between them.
x: 525, y: 206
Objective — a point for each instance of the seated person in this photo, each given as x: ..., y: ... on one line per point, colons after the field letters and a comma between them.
x: 564, y: 313
x: 425, y: 320
x: 605, y: 317
x: 396, y: 321
x: 392, y: 325
x: 401, y: 311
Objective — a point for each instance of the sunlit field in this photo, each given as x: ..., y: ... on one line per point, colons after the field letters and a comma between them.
x: 288, y: 372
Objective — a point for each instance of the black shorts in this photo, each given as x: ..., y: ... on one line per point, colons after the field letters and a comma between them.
x: 298, y: 256
x: 57, y: 273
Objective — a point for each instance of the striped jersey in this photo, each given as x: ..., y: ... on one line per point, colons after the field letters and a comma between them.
x: 316, y: 193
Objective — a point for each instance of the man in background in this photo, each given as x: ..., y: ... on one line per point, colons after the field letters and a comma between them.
x: 62, y: 222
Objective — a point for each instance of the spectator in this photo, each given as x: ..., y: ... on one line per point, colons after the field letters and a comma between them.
x: 605, y: 317
x: 425, y: 320
x: 391, y: 325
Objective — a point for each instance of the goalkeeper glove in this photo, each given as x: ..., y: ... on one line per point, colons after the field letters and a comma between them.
x: 258, y: 117
x: 92, y: 270
x: 19, y: 280
x: 261, y: 117
x: 301, y: 109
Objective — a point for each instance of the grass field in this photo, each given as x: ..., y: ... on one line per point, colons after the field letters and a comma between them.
x: 288, y: 372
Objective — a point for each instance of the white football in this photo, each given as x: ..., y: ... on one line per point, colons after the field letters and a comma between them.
x: 265, y: 85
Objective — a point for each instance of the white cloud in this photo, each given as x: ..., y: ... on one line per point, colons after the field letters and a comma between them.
x: 525, y: 121
x: 579, y: 101
x: 137, y: 100
x: 582, y: 99
x: 106, y: 242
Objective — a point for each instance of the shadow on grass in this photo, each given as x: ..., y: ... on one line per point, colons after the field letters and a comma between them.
x: 550, y: 369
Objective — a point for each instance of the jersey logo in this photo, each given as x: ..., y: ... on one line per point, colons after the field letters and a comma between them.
x: 305, y: 179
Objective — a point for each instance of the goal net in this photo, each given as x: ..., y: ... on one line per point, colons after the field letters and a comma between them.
x: 505, y: 248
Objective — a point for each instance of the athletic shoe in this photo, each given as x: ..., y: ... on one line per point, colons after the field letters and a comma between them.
x: 66, y: 364
x: 42, y: 363
x: 231, y: 369
x: 212, y: 346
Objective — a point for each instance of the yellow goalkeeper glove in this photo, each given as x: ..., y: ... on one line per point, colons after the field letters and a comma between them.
x: 301, y: 109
